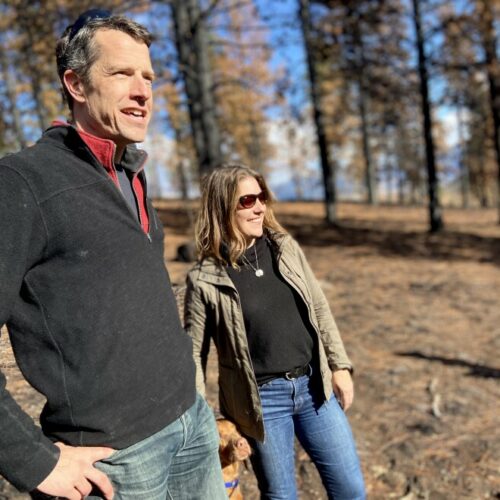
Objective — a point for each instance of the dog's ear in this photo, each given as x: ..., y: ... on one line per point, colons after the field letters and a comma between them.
x: 226, y: 454
x: 223, y: 443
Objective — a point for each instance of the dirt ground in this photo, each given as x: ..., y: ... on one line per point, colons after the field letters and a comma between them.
x: 420, y: 317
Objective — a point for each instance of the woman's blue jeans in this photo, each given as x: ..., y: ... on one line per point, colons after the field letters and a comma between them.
x: 291, y: 409
x: 181, y: 462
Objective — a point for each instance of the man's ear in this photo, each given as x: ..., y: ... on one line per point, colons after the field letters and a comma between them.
x: 74, y: 85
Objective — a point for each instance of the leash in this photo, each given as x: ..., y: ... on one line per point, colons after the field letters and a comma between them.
x: 232, y: 485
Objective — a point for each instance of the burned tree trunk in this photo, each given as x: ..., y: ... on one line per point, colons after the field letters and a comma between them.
x: 363, y: 113
x: 327, y: 165
x: 369, y: 173
x: 192, y: 51
x: 10, y: 93
x: 492, y: 67
x: 435, y: 217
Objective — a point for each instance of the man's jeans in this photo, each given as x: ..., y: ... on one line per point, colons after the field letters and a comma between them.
x: 322, y: 429
x: 181, y: 462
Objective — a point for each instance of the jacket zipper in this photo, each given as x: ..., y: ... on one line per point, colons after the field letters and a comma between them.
x: 115, y: 180
x: 112, y: 174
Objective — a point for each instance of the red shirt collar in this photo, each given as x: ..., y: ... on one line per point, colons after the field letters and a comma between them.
x: 102, y: 149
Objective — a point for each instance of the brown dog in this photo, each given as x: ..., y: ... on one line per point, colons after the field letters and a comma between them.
x: 233, y: 449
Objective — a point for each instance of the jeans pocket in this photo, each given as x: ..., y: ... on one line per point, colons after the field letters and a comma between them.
x: 266, y: 384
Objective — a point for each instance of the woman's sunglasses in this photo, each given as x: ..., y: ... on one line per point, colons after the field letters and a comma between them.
x: 249, y: 200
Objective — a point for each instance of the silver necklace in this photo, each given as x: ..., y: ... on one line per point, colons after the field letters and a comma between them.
x: 258, y: 271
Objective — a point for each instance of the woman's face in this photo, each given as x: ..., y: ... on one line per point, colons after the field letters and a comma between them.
x: 250, y: 220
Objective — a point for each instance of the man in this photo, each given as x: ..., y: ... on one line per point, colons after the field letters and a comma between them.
x: 87, y: 299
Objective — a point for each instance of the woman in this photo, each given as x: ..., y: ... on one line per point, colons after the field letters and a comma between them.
x: 279, y: 350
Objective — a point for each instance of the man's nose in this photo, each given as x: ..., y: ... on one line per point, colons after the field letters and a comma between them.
x: 141, y: 88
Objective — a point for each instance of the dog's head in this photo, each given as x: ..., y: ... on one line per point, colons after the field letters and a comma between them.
x: 233, y: 447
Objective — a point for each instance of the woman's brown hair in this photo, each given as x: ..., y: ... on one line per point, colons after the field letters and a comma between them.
x: 216, y: 226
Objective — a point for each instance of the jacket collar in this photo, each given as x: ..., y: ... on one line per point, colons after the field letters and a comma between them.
x: 103, y: 149
x: 212, y: 272
x: 277, y: 240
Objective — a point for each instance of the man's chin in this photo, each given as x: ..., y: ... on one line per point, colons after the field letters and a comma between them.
x: 132, y: 139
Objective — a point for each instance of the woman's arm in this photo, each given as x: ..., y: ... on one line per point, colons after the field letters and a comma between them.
x: 338, y: 360
x: 195, y: 323
x: 330, y: 336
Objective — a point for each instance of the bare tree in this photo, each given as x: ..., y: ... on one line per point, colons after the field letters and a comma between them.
x: 192, y: 51
x: 327, y: 165
x: 492, y: 68
x: 11, y: 98
x: 435, y: 217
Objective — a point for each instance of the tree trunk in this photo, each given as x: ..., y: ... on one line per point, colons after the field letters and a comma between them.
x: 297, y: 181
x: 482, y: 183
x: 208, y: 117
x: 369, y: 174
x: 10, y: 92
x: 389, y: 181
x: 294, y: 163
x: 185, y: 56
x: 362, y: 98
x: 492, y: 67
x: 255, y: 148
x: 413, y: 194
x: 36, y: 86
x: 435, y: 217
x: 192, y: 51
x: 401, y: 188
x: 327, y: 165
x: 25, y: 12
x: 464, y: 170
x: 182, y: 168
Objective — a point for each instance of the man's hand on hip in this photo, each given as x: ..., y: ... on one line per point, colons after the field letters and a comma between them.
x: 74, y: 475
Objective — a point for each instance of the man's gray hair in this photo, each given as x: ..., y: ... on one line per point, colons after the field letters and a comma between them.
x: 79, y: 52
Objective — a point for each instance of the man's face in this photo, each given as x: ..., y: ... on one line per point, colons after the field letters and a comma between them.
x: 118, y: 101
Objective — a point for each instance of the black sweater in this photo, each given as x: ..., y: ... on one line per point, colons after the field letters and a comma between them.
x: 280, y: 335
x: 89, y: 308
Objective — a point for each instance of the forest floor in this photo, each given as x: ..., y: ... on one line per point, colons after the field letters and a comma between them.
x: 419, y: 314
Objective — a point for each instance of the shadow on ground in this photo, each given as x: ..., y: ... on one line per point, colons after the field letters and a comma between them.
x: 475, y: 369
x: 386, y: 241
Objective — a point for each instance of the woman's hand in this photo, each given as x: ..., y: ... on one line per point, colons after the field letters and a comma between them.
x: 343, y: 387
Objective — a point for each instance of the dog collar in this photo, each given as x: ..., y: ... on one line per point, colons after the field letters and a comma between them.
x: 233, y: 483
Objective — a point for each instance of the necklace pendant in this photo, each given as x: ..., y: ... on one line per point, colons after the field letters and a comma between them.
x: 259, y: 273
